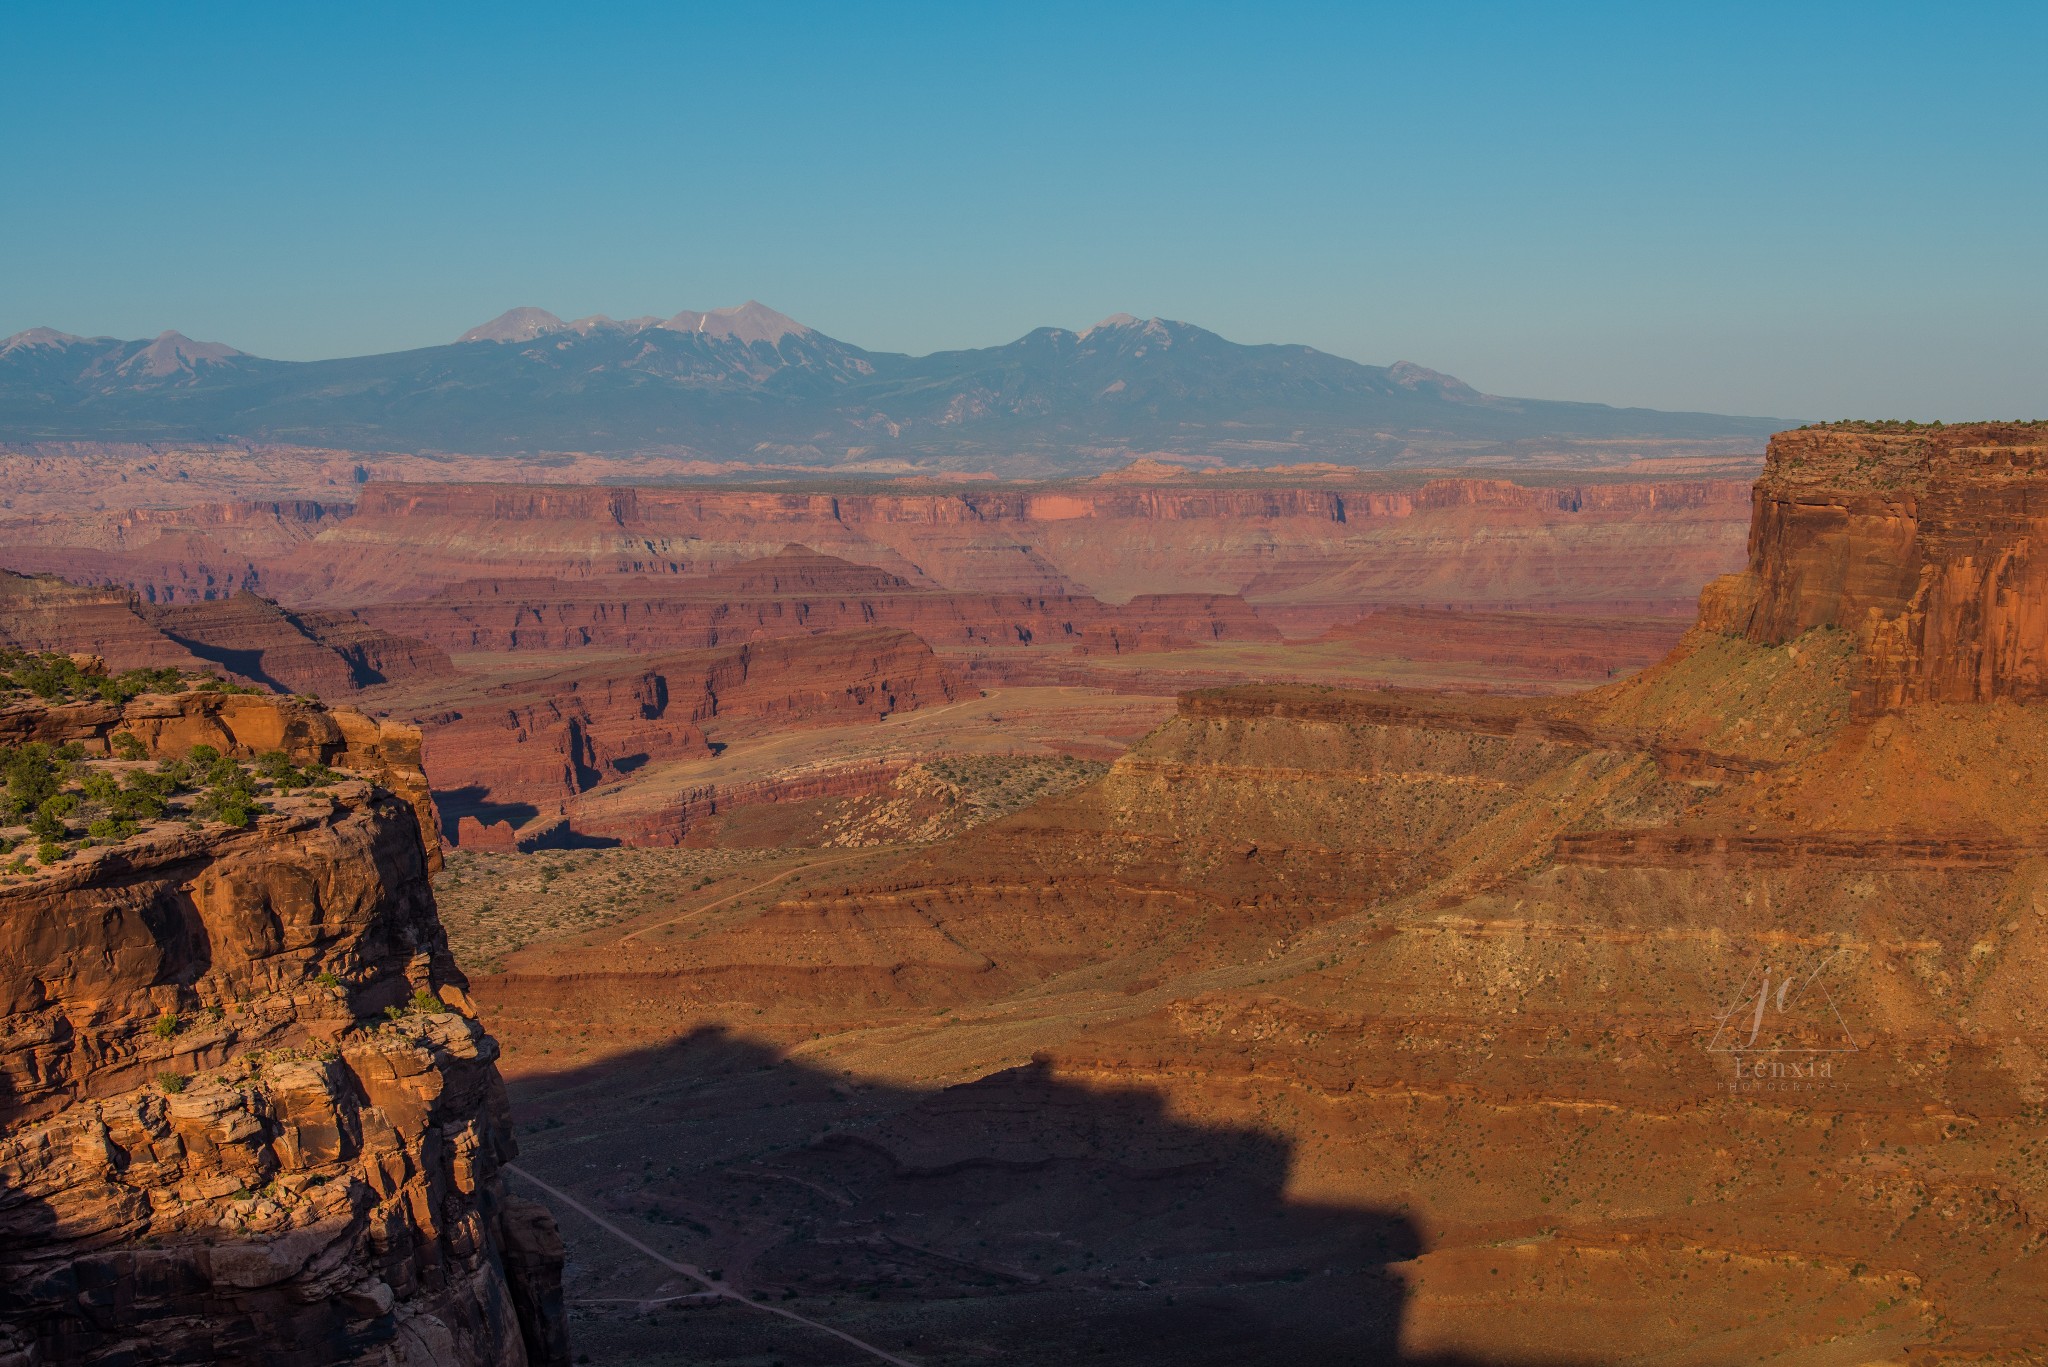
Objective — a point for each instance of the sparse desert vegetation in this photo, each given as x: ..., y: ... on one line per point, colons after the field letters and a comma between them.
x: 493, y: 904
x: 59, y: 799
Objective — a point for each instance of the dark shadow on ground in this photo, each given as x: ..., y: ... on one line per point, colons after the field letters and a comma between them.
x: 452, y: 804
x: 1022, y: 1218
x: 247, y: 664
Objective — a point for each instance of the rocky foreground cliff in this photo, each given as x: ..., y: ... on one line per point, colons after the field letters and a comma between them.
x: 247, y: 1112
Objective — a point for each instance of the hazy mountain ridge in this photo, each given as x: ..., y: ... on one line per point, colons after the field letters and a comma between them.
x: 750, y: 384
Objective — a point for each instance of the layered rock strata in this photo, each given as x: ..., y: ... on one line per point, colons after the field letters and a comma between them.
x: 792, y: 593
x: 244, y: 637
x: 1309, y: 543
x: 512, y: 753
x: 247, y: 1112
x: 1919, y: 541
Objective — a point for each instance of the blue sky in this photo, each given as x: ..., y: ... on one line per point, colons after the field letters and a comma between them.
x: 1789, y: 210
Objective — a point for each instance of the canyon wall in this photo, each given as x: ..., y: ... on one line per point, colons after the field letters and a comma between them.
x: 44, y: 613
x: 1919, y: 542
x: 1105, y: 539
x: 328, y: 654
x: 165, y: 554
x: 1297, y: 540
x: 514, y: 753
x: 249, y: 1113
x: 791, y: 593
x: 246, y: 638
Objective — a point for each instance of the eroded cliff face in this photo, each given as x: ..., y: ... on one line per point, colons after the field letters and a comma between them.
x: 330, y: 654
x: 1917, y: 540
x: 247, y: 1113
x: 526, y: 749
x: 1309, y: 542
x: 42, y: 612
x: 796, y: 592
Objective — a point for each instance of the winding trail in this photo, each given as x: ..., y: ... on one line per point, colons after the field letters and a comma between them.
x: 735, y: 896
x: 715, y: 1288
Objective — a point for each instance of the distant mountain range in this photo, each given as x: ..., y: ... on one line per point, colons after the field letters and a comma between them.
x: 752, y: 386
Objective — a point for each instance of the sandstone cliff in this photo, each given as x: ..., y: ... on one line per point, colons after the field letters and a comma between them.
x: 43, y: 612
x: 1919, y: 541
x: 794, y: 592
x: 247, y: 1113
x: 1311, y: 542
x: 510, y: 754
x: 329, y: 654
x: 244, y: 636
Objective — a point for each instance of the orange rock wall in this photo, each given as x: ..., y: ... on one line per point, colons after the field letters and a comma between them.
x: 315, y: 1180
x: 520, y: 750
x: 1918, y: 541
x: 1393, y: 538
x: 793, y: 594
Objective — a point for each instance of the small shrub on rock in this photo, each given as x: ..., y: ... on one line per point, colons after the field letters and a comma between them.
x: 141, y: 798
x: 34, y: 775
x: 276, y: 768
x: 230, y: 807
x: 48, y: 822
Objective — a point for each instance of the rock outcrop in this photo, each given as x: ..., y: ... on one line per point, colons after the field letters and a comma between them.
x: 247, y: 1112
x: 794, y: 592
x: 242, y: 726
x: 517, y: 752
x: 328, y: 654
x: 1919, y: 541
x: 44, y: 613
x: 245, y: 637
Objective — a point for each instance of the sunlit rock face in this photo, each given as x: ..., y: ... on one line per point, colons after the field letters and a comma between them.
x: 1920, y: 541
x: 247, y: 1112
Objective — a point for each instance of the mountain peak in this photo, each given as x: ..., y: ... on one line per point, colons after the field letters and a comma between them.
x: 746, y: 323
x: 38, y: 337
x: 1409, y: 375
x: 173, y: 353
x: 749, y: 322
x: 1160, y: 330
x: 515, y: 325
